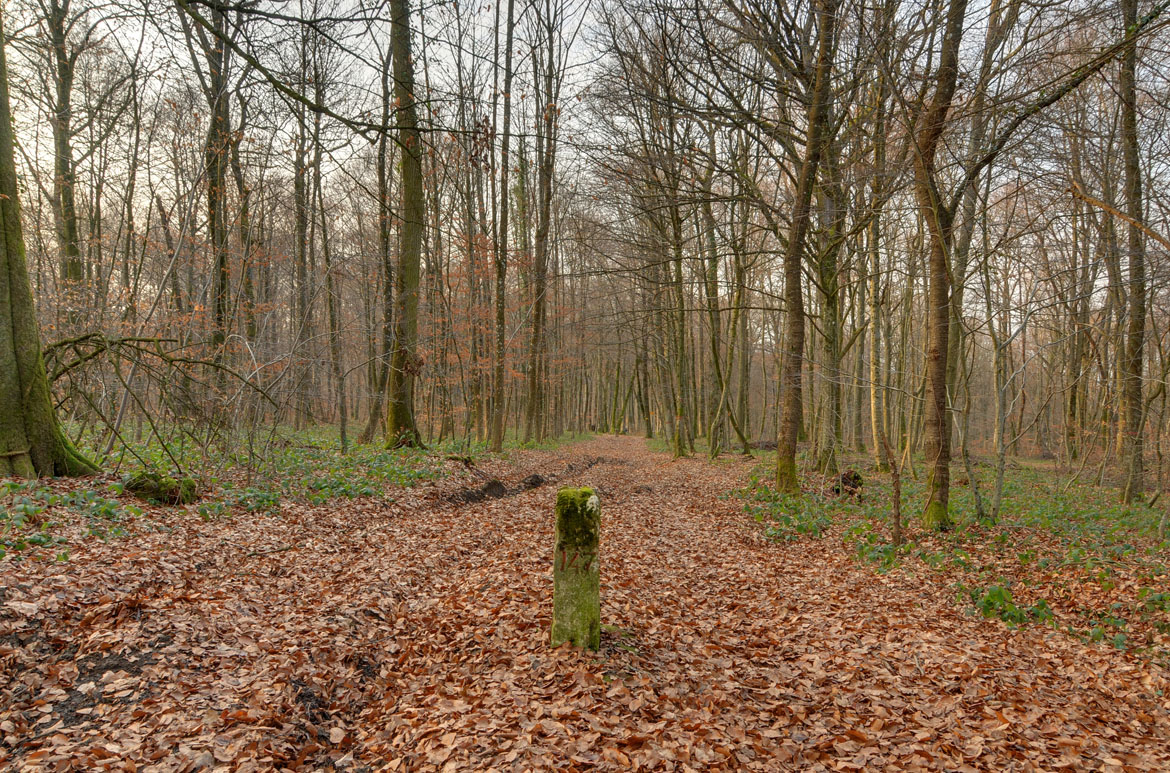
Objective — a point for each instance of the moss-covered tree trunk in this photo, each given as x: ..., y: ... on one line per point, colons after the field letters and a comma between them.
x: 577, y: 570
x: 32, y: 443
x: 405, y: 363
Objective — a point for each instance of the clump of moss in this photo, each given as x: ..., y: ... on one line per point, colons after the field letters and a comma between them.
x: 162, y: 489
x: 578, y: 522
x: 576, y: 570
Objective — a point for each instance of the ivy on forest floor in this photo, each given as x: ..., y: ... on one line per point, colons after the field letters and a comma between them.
x: 1072, y: 560
x: 785, y: 517
x: 29, y: 512
x: 304, y: 467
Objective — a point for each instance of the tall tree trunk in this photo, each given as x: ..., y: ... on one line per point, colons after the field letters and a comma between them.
x: 716, y: 391
x: 332, y: 301
x: 743, y: 411
x: 877, y: 410
x: 249, y: 244
x: 1132, y: 363
x: 64, y: 174
x: 879, y: 425
x: 303, y: 296
x: 940, y: 222
x: 677, y: 319
x: 216, y: 158
x: 501, y: 257
x: 829, y: 281
x: 378, y: 398
x: 405, y: 364
x: 546, y: 159
x: 32, y: 442
x: 793, y: 351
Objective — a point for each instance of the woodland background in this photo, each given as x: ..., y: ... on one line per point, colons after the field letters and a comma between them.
x: 331, y: 295
x: 936, y: 223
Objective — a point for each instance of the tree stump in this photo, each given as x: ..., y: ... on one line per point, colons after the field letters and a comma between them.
x: 577, y: 570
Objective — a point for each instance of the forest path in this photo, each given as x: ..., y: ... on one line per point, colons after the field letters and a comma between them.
x: 413, y: 636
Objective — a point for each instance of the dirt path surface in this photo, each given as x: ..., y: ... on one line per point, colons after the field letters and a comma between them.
x: 413, y: 636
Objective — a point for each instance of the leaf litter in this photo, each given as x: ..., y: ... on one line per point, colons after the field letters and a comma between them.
x: 413, y: 636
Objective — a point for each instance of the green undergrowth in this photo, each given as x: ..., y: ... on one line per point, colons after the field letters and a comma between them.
x: 1063, y: 556
x: 303, y: 467
x: 785, y: 517
x: 997, y: 601
x: 243, y: 476
x: 31, y: 515
x: 256, y: 473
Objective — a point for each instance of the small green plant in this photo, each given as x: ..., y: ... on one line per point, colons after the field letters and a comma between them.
x: 1041, y: 612
x: 24, y: 502
x: 785, y: 517
x: 1104, y: 579
x: 26, y: 509
x: 961, y: 558
x: 867, y: 541
x: 325, y: 488
x: 1153, y: 601
x: 1099, y: 631
x: 884, y: 554
x: 933, y: 558
x: 212, y: 510
x: 997, y: 601
x: 105, y: 517
x: 255, y: 500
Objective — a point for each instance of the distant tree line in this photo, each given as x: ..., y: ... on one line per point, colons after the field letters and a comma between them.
x: 918, y: 230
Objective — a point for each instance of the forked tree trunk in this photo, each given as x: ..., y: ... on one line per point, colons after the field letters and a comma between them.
x: 940, y: 222
x: 790, y: 377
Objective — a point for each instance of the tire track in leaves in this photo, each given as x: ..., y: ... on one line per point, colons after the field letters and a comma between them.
x: 414, y: 637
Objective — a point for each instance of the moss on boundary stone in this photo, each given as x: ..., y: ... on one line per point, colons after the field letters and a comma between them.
x: 162, y: 489
x: 577, y: 570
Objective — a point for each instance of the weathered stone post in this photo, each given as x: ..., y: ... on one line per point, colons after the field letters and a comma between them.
x: 577, y: 570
